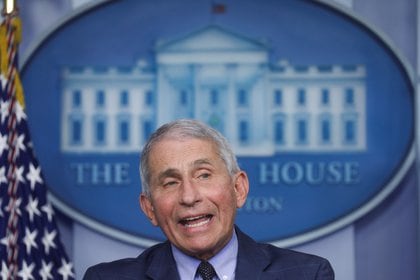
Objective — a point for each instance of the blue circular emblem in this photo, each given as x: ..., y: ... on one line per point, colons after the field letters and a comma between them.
x: 317, y: 106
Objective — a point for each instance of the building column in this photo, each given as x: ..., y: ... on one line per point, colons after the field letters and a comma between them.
x: 231, y: 128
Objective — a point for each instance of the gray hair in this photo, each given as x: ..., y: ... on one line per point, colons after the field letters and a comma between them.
x: 183, y: 129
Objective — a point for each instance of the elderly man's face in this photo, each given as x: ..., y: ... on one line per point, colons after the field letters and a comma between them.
x: 193, y: 197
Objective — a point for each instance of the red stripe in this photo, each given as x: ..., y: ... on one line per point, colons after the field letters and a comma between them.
x: 12, y: 230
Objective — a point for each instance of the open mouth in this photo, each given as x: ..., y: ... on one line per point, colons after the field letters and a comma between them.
x: 197, y: 221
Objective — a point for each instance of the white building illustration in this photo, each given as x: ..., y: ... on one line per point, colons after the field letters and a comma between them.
x: 225, y: 80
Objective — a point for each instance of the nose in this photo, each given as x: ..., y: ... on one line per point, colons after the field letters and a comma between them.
x: 189, y: 194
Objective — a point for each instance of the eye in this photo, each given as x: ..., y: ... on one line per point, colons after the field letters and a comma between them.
x: 170, y: 183
x: 204, y: 175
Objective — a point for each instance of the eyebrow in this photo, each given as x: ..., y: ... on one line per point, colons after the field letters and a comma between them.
x: 173, y: 172
x: 170, y: 172
x: 201, y: 162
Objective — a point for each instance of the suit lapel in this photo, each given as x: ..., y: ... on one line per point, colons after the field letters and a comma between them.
x: 251, y: 260
x: 162, y: 265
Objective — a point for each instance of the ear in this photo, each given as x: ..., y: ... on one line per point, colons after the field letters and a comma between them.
x: 148, y: 209
x: 241, y: 188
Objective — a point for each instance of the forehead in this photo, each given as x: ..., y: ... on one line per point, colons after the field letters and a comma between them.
x: 171, y: 150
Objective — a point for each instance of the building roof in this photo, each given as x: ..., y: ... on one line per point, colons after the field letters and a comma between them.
x: 214, y: 38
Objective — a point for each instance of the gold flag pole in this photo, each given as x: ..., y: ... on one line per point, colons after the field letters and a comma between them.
x: 10, y: 37
x: 9, y: 7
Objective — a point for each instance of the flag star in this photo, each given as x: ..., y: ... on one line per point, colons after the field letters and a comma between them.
x: 34, y: 176
x: 4, y: 273
x: 45, y: 271
x: 3, y: 178
x: 26, y: 272
x: 4, y: 110
x: 48, y: 240
x: 20, y: 113
x: 14, y: 207
x: 66, y: 269
x: 19, y: 174
x: 5, y: 241
x: 29, y: 240
x: 3, y: 143
x: 32, y: 208
x: 20, y: 145
x: 49, y: 211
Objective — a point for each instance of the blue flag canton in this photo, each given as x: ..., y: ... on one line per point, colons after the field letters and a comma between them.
x: 40, y: 254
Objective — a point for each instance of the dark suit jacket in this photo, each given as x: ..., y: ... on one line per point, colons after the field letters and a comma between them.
x: 256, y: 261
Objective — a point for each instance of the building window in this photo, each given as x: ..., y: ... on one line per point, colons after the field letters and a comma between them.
x: 214, y: 97
x: 99, y: 131
x: 147, y: 129
x: 243, y: 131
x: 216, y: 122
x: 349, y: 131
x: 301, y: 97
x: 302, y: 131
x: 325, y: 130
x: 325, y: 97
x: 100, y: 98
x: 278, y: 97
x: 76, y: 99
x: 242, y: 98
x: 183, y: 97
x: 149, y: 98
x: 76, y: 130
x: 124, y: 98
x: 349, y: 97
x: 123, y: 130
x: 279, y: 131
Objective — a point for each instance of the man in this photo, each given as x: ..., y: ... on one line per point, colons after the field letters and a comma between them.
x: 192, y: 187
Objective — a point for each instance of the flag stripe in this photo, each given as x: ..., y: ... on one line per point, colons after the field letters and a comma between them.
x: 13, y: 218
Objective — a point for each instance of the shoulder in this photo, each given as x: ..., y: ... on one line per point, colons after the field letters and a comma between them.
x: 273, y: 261
x: 123, y: 268
x: 290, y: 257
x: 296, y: 264
x: 127, y: 268
x: 273, y: 253
x: 289, y: 262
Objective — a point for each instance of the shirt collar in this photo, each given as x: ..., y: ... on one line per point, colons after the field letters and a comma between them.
x: 223, y: 262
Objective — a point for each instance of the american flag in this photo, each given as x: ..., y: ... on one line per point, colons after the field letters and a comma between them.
x: 30, y: 246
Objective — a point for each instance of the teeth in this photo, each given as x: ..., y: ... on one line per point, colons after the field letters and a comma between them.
x: 186, y: 221
x: 197, y: 224
x: 193, y: 218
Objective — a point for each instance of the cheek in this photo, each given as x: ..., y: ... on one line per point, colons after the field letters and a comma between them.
x: 163, y: 209
x: 227, y: 201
